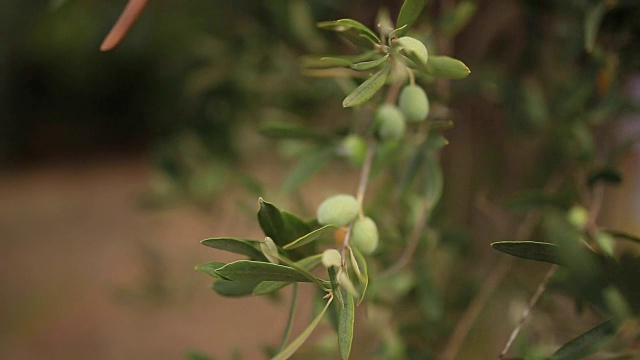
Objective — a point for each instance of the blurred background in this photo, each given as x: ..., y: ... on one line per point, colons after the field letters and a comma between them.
x: 114, y: 165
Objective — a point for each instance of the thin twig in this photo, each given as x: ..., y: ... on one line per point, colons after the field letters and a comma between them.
x: 527, y: 311
x: 493, y: 280
x: 412, y: 243
x: 366, y: 170
x: 362, y: 189
x: 489, y: 285
x: 126, y: 20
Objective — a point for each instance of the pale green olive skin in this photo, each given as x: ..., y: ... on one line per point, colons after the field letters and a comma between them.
x: 390, y: 122
x: 413, y: 103
x: 364, y: 235
x: 355, y: 149
x: 338, y: 210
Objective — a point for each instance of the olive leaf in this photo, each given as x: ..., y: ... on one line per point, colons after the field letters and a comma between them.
x: 234, y: 288
x: 368, y: 65
x: 455, y: 20
x: 623, y: 235
x: 362, y: 272
x: 267, y: 287
x: 297, y: 342
x: 434, y: 181
x: 540, y: 251
x: 210, y: 268
x: 353, y: 30
x: 310, y: 237
x: 270, y: 220
x: 237, y: 246
x: 308, y: 166
x: 587, y: 343
x: 346, y: 316
x: 409, y: 13
x: 333, y: 61
x: 367, y: 89
x: 243, y: 270
x: 592, y: 25
x: 607, y: 175
x: 447, y: 67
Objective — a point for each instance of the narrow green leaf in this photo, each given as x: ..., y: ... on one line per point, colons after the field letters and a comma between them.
x: 310, y: 237
x: 234, y: 288
x: 623, y: 235
x: 353, y: 30
x: 290, y: 317
x: 434, y: 181
x: 333, y: 61
x: 531, y: 250
x: 587, y: 343
x: 367, y: 89
x: 411, y: 170
x: 308, y: 166
x: 456, y: 20
x: 237, y: 246
x: 346, y: 316
x: 270, y: 220
x: 282, y: 130
x: 368, y: 65
x: 267, y: 287
x: 364, y: 273
x: 447, y: 67
x: 592, y: 24
x: 295, y: 344
x: 210, y: 268
x: 259, y: 271
x: 326, y: 62
x: 531, y: 199
x: 607, y: 175
x: 409, y: 13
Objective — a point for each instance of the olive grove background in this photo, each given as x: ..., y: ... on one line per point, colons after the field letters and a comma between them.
x: 114, y: 165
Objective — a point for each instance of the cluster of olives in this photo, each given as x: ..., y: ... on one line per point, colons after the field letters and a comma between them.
x: 413, y: 106
x: 343, y: 209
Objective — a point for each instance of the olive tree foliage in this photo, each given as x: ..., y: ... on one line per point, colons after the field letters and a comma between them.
x: 336, y: 251
x: 380, y: 247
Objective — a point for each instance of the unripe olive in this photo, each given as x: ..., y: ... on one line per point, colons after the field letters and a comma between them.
x: 413, y: 103
x: 364, y: 235
x: 354, y: 147
x: 390, y: 122
x: 338, y: 210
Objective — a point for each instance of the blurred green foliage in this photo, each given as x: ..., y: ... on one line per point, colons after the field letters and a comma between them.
x: 537, y: 129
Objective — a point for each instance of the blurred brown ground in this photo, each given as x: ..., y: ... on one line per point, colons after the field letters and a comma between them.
x: 85, y: 273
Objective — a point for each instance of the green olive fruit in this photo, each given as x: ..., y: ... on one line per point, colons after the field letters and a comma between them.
x: 364, y: 235
x: 413, y: 103
x: 354, y: 148
x: 338, y: 210
x: 390, y: 122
